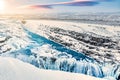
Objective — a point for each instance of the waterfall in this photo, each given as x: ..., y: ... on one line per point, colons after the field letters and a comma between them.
x: 68, y: 65
x: 112, y: 71
x: 54, y: 56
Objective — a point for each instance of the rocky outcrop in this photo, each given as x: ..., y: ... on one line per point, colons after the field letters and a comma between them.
x: 101, y: 48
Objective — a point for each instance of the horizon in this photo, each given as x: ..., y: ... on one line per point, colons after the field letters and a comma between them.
x: 58, y: 6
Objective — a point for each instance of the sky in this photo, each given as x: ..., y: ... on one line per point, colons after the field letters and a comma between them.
x: 56, y: 6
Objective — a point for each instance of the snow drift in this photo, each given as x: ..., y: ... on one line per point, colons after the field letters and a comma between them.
x: 13, y: 69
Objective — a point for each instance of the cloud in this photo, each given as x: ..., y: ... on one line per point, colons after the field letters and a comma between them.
x: 68, y: 3
x: 80, y: 3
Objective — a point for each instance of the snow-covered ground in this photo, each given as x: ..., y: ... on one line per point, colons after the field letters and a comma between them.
x: 55, y: 45
x: 101, y: 42
x: 13, y: 69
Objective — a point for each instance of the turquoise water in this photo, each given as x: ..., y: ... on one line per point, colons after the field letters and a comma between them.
x: 78, y: 63
x: 42, y: 40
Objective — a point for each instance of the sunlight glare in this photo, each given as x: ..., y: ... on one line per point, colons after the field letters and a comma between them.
x: 2, y: 5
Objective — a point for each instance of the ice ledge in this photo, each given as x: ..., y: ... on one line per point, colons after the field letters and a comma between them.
x: 13, y: 69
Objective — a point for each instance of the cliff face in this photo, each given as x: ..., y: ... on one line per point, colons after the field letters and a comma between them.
x: 101, y: 48
x: 100, y: 42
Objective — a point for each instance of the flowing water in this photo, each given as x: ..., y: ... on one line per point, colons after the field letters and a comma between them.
x: 47, y: 54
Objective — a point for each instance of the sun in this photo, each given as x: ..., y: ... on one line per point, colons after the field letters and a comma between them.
x: 2, y: 5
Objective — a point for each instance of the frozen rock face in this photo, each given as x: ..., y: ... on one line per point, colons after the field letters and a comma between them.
x: 101, y: 48
x: 13, y: 69
x: 100, y: 42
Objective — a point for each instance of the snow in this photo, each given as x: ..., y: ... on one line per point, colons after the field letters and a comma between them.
x: 13, y: 69
x: 39, y: 51
x: 43, y: 27
x: 30, y: 43
x: 103, y: 30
